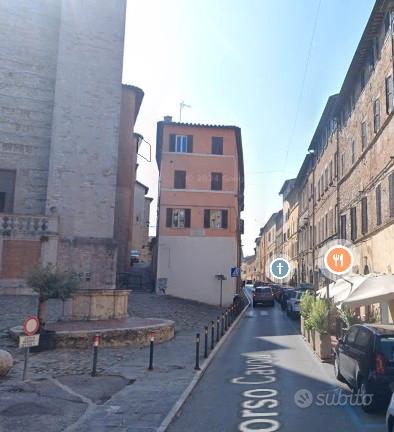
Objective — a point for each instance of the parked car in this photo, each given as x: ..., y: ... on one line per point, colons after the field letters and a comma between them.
x: 134, y: 257
x: 293, y: 304
x: 390, y: 412
x: 263, y: 295
x: 364, y: 359
x: 286, y: 294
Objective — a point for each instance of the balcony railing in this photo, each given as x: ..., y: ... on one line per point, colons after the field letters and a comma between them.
x: 16, y: 225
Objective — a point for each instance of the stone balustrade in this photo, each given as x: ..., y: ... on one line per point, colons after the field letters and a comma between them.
x: 16, y: 225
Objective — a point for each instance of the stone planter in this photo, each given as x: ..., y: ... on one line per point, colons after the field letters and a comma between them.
x: 302, y: 326
x: 323, y: 345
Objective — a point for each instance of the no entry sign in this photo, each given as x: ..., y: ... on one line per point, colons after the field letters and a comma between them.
x: 31, y: 325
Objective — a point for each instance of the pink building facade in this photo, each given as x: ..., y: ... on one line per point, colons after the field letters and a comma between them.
x: 200, y: 201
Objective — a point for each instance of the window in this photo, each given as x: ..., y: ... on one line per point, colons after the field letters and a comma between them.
x: 217, y: 145
x: 178, y: 218
x: 351, y: 336
x: 331, y: 172
x: 363, y: 135
x: 215, y: 219
x: 389, y: 94
x: 353, y: 152
x: 216, y: 181
x: 326, y: 225
x: 180, y: 179
x: 326, y: 177
x: 353, y: 223
x: 376, y: 115
x: 7, y: 191
x: 378, y: 195
x: 181, y: 143
x: 362, y: 79
x: 342, y: 164
x: 363, y: 339
x: 391, y: 194
x: 336, y: 164
x: 364, y: 215
x: 318, y: 189
x: 343, y: 227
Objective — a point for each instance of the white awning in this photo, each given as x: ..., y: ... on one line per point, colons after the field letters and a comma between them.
x: 342, y: 288
x: 376, y: 288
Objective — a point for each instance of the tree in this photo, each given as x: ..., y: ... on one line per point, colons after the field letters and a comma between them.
x: 50, y: 283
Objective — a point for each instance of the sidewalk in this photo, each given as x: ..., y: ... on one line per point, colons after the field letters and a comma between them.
x: 61, y: 395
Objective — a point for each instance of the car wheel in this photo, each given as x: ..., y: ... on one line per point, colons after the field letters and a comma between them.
x: 254, y: 304
x: 368, y: 400
x: 337, y: 372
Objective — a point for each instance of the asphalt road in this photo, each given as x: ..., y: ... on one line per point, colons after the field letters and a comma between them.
x: 252, y: 385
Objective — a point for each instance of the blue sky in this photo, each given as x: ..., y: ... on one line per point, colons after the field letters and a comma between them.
x: 242, y: 63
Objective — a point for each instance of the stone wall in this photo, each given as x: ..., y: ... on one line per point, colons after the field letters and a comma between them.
x: 28, y: 56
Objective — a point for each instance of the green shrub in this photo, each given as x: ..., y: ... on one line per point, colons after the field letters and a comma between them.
x: 319, y: 316
x: 50, y: 283
x: 307, y: 302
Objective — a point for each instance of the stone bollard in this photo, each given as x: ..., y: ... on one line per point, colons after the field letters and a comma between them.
x: 6, y: 362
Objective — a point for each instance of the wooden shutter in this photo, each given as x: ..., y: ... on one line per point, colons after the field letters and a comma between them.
x: 179, y: 179
x: 187, y: 218
x: 391, y: 194
x: 172, y: 143
x: 190, y: 143
x: 364, y: 215
x: 169, y: 218
x: 378, y: 205
x: 206, y: 219
x: 224, y: 219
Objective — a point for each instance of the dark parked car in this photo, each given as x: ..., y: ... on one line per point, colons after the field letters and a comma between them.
x: 286, y: 295
x: 364, y: 359
x: 263, y: 295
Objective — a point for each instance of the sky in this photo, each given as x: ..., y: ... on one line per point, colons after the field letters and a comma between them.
x: 267, y: 66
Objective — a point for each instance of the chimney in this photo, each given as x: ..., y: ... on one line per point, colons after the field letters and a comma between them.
x: 167, y: 119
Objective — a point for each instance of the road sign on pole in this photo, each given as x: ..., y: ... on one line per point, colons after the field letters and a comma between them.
x: 235, y: 272
x: 31, y: 325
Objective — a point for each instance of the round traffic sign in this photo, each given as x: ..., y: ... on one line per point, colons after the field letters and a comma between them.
x: 31, y: 325
x: 280, y: 268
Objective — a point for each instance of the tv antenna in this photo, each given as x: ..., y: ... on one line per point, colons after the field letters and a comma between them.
x: 181, y: 106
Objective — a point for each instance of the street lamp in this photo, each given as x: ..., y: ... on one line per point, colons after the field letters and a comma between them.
x: 221, y: 277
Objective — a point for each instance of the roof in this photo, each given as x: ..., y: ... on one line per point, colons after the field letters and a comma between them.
x: 360, y: 56
x: 238, y: 140
x: 143, y: 186
x: 327, y: 114
x: 380, y: 328
x: 288, y: 184
x: 139, y: 96
x: 304, y: 170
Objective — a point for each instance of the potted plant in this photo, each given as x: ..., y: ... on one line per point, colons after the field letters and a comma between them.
x: 306, y: 305
x: 319, y: 320
x: 49, y: 283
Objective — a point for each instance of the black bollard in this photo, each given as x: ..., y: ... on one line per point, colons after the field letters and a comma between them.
x: 197, y: 366
x: 152, y: 341
x: 222, y: 332
x: 217, y: 330
x: 95, y: 354
x: 212, y: 335
x: 206, y: 342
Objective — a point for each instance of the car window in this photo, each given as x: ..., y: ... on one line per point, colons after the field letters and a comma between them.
x: 266, y: 290
x: 258, y: 290
x: 363, y: 338
x: 351, y: 336
x: 387, y: 347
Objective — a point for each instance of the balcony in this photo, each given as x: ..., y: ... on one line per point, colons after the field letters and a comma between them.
x: 18, y: 226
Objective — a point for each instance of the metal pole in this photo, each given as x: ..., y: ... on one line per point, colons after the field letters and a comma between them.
x: 221, y: 291
x: 206, y: 342
x: 212, y: 335
x: 95, y: 354
x: 152, y: 340
x: 27, y: 351
x: 197, y: 366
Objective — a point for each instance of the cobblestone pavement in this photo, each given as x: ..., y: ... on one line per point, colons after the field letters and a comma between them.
x: 141, y: 405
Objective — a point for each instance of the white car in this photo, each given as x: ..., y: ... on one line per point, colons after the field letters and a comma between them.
x: 390, y: 412
x: 293, y: 304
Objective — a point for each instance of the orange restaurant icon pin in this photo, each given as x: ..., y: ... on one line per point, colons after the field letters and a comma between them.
x: 338, y: 260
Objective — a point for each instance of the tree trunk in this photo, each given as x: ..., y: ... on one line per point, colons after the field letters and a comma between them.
x: 42, y: 309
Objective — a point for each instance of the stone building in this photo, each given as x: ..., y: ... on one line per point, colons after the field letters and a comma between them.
x: 66, y: 140
x: 141, y: 216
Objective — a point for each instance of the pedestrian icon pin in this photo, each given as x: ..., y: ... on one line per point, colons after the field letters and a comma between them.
x: 280, y: 268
